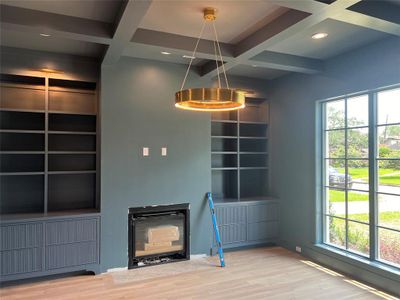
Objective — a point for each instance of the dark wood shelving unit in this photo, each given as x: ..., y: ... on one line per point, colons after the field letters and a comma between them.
x: 246, y: 215
x: 49, y: 175
x: 48, y: 145
x: 239, y: 152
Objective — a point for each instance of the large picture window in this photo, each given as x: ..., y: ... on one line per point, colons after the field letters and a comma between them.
x: 361, y: 174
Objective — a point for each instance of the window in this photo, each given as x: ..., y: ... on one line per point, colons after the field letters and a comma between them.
x: 361, y: 174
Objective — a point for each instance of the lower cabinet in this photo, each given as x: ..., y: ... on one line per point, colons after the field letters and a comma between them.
x: 49, y: 245
x: 247, y: 223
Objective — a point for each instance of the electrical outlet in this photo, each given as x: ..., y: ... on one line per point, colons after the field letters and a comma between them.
x: 298, y: 249
x: 164, y: 151
x: 145, y: 151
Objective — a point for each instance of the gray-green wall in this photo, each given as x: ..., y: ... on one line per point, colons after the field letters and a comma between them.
x: 293, y: 112
x: 137, y: 110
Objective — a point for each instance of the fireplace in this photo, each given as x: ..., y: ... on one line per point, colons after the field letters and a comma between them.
x: 158, y: 234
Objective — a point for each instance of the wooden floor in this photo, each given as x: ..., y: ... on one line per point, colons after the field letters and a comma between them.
x: 263, y: 273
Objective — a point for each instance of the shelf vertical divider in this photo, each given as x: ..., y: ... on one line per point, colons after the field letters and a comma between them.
x: 46, y: 146
x: 46, y: 162
x: 98, y: 147
x: 238, y: 154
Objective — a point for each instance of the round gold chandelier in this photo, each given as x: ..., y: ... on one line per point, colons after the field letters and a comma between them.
x: 210, y: 99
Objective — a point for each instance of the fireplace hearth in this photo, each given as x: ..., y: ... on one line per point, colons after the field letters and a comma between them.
x: 158, y: 234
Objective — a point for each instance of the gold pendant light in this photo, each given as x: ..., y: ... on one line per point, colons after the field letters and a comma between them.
x: 210, y: 99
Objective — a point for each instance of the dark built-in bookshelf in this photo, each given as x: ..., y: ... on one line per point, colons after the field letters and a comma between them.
x: 247, y: 215
x: 239, y: 153
x: 48, y: 145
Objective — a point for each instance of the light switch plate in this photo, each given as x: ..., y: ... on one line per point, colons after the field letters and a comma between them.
x: 146, y: 151
x: 164, y: 151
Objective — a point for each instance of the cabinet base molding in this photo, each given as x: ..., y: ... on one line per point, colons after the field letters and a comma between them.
x: 93, y: 268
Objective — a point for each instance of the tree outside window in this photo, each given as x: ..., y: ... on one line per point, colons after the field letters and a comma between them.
x: 349, y: 158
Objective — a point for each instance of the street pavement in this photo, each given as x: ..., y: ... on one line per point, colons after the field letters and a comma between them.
x: 385, y: 203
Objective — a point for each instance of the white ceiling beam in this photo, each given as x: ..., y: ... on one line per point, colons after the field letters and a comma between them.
x: 129, y: 22
x: 306, y: 6
x: 339, y: 11
x: 276, y: 61
x: 314, y: 7
x: 269, y: 36
x: 278, y: 30
x: 369, y: 22
x: 181, y: 45
x: 287, y: 62
x: 250, y: 51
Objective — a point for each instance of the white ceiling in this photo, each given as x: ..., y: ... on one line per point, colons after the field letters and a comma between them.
x: 99, y: 10
x: 154, y: 53
x: 256, y: 72
x: 237, y: 24
x: 235, y: 19
x: 342, y: 37
x: 50, y: 44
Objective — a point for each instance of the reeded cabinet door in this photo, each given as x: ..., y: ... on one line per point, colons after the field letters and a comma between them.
x: 262, y: 221
x: 232, y: 223
x: 71, y: 243
x: 21, y: 248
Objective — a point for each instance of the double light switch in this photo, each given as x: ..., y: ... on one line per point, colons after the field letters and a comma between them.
x: 146, y: 151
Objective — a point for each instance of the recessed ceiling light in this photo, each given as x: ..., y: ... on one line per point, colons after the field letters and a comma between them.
x: 45, y: 34
x: 319, y: 35
x: 188, y: 56
x: 165, y: 53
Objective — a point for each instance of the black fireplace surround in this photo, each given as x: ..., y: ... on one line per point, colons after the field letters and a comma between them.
x: 158, y: 234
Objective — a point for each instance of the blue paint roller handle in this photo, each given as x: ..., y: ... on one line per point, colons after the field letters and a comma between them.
x: 216, y: 230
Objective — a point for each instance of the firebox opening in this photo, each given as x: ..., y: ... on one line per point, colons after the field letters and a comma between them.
x: 158, y: 234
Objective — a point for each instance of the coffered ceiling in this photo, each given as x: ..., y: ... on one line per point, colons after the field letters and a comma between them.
x: 260, y: 38
x: 342, y: 37
x: 235, y: 20
x: 98, y: 10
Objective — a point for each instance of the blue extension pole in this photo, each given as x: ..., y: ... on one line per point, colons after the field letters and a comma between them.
x: 216, y: 230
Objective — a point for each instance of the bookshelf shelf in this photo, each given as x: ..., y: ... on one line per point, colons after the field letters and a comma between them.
x: 224, y: 169
x: 21, y: 131
x: 48, y: 145
x: 49, y: 176
x: 239, y: 153
x: 20, y: 173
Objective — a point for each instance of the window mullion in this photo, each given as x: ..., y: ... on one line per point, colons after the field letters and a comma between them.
x: 372, y: 145
x: 339, y: 113
x: 346, y: 172
x: 323, y: 175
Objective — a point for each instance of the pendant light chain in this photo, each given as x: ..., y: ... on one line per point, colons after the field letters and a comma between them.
x: 210, y: 99
x: 220, y: 55
x: 193, y: 54
x: 216, y: 62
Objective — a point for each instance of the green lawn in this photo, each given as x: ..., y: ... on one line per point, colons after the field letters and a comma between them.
x: 338, y: 196
x: 362, y: 173
x: 356, y: 173
x: 390, y: 180
x: 389, y: 219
